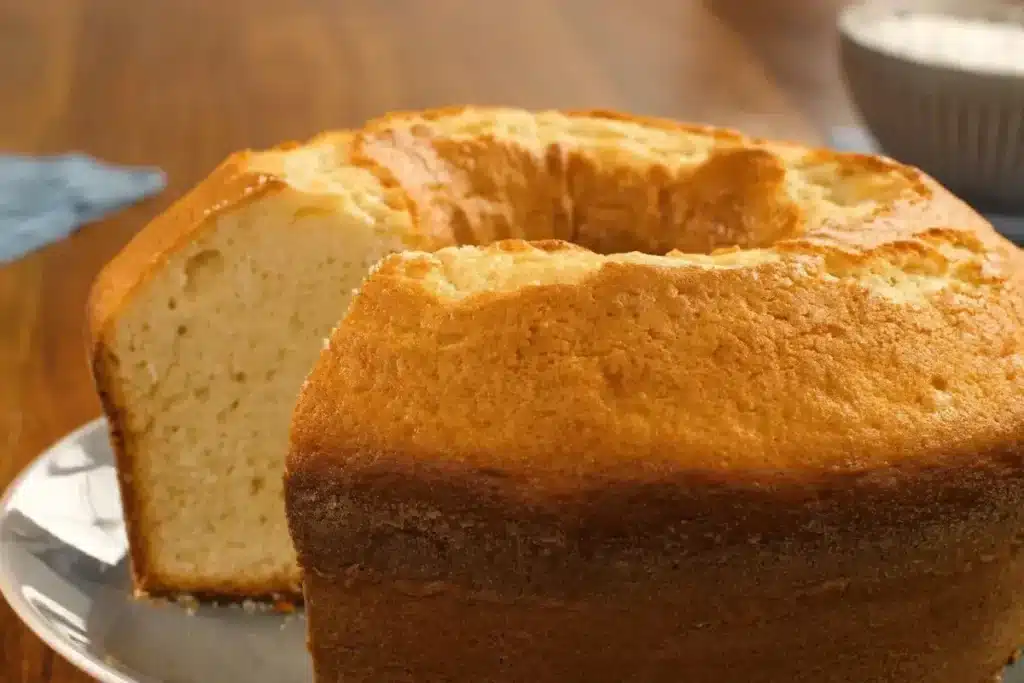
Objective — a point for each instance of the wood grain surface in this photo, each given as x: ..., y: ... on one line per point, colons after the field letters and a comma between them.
x: 181, y: 83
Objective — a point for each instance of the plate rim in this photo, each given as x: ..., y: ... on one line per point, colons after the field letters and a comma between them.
x: 89, y: 664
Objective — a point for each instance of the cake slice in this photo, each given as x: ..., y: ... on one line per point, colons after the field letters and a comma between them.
x: 203, y: 329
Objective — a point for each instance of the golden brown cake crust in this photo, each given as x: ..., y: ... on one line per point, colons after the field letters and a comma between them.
x: 534, y: 462
x: 879, y: 326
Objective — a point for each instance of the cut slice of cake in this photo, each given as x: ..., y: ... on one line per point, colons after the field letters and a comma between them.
x: 203, y: 329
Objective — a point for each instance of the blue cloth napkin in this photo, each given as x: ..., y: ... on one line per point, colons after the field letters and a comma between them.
x: 45, y: 199
x: 853, y: 139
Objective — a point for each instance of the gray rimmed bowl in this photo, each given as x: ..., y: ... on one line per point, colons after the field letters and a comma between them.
x: 960, y: 121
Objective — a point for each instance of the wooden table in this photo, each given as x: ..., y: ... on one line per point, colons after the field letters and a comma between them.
x: 181, y: 83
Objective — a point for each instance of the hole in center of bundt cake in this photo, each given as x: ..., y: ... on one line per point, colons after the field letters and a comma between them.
x: 479, y: 189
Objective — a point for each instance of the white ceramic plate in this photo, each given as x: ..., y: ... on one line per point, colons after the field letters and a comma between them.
x: 63, y: 569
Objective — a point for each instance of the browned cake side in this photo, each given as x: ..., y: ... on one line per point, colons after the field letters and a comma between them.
x: 795, y: 461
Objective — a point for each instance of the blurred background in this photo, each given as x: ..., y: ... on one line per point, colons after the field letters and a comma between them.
x: 181, y: 83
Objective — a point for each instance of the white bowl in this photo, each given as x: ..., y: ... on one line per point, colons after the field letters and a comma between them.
x: 940, y: 85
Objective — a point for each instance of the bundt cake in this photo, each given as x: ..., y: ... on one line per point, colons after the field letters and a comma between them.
x: 794, y: 457
x: 761, y: 423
